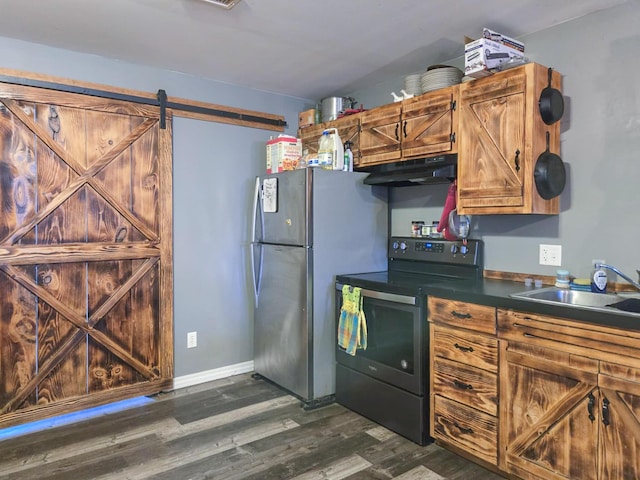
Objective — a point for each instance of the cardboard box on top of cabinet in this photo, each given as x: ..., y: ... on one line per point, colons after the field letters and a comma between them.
x: 283, y: 153
x: 488, y: 52
x: 307, y: 118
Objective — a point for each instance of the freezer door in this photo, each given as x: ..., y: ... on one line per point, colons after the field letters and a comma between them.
x: 282, y: 333
x: 283, y: 216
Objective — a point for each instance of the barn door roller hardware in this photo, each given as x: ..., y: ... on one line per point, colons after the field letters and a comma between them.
x: 160, y: 101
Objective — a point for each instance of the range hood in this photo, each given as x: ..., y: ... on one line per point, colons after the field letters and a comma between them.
x: 424, y: 171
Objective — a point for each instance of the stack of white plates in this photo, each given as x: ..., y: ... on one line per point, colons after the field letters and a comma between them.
x: 413, y: 84
x: 440, y: 76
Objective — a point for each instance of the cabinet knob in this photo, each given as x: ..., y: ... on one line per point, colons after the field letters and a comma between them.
x: 517, y: 160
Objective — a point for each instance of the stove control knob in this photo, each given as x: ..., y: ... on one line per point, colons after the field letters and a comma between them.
x: 464, y: 249
x: 454, y: 249
x: 403, y: 246
x: 395, y: 245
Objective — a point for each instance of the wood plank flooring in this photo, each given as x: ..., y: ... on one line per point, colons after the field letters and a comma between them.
x: 235, y: 428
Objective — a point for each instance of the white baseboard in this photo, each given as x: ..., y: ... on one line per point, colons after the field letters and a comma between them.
x: 210, y: 375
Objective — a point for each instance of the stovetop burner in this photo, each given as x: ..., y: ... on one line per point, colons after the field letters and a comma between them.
x: 415, y: 263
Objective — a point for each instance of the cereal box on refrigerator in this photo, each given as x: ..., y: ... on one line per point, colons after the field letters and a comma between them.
x: 283, y: 153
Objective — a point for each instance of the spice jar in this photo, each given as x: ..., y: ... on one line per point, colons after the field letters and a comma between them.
x: 416, y: 228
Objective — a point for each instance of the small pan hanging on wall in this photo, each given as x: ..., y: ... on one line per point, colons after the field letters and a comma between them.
x: 549, y: 174
x: 551, y: 103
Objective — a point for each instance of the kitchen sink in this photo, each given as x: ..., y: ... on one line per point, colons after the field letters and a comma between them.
x: 579, y: 299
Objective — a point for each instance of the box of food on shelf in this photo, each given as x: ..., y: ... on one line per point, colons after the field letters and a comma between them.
x: 487, y: 53
x: 307, y: 118
x: 283, y: 153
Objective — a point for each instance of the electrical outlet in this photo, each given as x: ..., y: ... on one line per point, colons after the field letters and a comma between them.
x: 551, y: 255
x: 192, y: 339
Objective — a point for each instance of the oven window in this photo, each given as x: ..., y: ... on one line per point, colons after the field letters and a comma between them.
x: 391, y: 334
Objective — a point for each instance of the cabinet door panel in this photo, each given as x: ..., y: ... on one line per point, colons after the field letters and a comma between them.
x: 349, y: 131
x: 619, y: 456
x: 428, y: 124
x: 545, y: 410
x: 380, y: 135
x: 492, y: 165
x: 310, y: 137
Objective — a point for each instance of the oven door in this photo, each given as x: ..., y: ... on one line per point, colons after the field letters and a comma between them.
x: 396, y: 340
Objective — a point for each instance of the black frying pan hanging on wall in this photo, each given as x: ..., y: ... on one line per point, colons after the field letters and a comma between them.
x: 551, y: 103
x: 549, y: 174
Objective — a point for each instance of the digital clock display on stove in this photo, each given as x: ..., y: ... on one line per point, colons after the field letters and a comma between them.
x: 430, y: 247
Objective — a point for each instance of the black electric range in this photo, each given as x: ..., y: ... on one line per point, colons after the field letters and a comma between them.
x: 388, y: 381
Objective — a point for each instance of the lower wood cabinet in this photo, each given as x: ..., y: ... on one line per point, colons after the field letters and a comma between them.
x: 569, y: 399
x: 464, y: 380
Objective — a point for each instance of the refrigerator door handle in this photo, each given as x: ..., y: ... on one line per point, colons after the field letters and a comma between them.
x: 255, y: 245
x: 258, y: 277
x: 256, y: 199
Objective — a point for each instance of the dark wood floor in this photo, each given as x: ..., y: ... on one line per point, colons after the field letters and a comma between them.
x: 235, y: 428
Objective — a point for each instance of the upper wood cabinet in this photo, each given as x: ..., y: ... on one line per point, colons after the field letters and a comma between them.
x: 348, y: 130
x: 380, y: 135
x: 502, y: 134
x: 430, y: 123
x: 569, y: 399
x: 422, y: 126
x: 310, y: 137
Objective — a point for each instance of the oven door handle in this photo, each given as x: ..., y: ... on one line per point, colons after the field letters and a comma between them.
x: 389, y: 297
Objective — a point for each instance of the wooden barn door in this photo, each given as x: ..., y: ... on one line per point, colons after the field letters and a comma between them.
x: 85, y: 252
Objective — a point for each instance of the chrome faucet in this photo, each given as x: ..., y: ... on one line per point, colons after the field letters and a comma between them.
x: 614, y: 269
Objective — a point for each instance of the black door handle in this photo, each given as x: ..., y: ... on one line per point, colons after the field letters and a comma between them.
x: 460, y: 315
x: 462, y: 429
x: 590, y: 405
x: 605, y: 412
x: 462, y: 385
x: 397, y: 126
x: 463, y: 349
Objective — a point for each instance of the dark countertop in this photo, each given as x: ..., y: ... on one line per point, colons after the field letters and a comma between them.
x: 497, y: 293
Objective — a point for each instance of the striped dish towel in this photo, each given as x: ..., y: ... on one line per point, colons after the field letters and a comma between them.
x: 352, y: 327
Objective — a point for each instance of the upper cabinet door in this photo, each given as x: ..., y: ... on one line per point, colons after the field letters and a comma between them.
x: 492, y: 138
x: 429, y: 123
x: 380, y: 135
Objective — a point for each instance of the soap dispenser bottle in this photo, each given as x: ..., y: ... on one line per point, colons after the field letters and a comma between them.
x: 598, y: 278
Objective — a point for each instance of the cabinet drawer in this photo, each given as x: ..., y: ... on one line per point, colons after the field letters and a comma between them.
x: 466, y: 428
x: 462, y: 314
x: 471, y: 386
x: 578, y: 338
x: 468, y: 348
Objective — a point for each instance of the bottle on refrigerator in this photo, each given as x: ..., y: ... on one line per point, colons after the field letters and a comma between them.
x: 338, y: 149
x: 348, y: 157
x: 325, y: 151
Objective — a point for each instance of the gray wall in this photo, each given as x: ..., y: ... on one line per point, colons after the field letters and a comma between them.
x: 600, y: 143
x: 214, y: 167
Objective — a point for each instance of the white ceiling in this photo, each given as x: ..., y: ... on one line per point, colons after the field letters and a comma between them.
x: 304, y: 48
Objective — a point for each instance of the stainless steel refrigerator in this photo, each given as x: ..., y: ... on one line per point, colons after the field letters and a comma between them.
x: 308, y: 226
